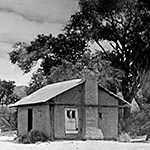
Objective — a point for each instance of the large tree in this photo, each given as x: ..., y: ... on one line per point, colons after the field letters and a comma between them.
x: 49, y: 50
x: 108, y: 76
x: 9, y: 94
x: 125, y: 25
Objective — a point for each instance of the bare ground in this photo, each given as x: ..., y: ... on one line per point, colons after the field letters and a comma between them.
x: 7, y: 143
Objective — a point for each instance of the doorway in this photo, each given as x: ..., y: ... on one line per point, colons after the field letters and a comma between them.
x: 30, y: 119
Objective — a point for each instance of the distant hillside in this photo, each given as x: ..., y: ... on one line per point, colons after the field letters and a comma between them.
x: 21, y: 91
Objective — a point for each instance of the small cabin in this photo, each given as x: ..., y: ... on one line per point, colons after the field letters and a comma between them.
x: 74, y: 109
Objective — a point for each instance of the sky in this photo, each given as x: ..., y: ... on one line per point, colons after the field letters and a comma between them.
x: 22, y: 21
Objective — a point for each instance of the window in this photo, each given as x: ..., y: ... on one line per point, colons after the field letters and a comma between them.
x: 71, y: 120
x: 100, y: 116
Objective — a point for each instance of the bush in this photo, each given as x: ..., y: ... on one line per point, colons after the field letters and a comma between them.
x: 36, y: 136
x: 8, y: 118
x: 138, y: 124
x: 22, y: 139
x: 124, y: 137
x: 32, y: 137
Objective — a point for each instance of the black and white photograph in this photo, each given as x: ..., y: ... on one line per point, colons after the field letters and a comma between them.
x: 74, y: 74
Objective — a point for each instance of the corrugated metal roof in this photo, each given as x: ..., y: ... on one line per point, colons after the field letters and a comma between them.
x: 46, y: 93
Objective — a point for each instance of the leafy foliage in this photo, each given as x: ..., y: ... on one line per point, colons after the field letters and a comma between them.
x: 20, y: 91
x: 8, y: 119
x: 32, y: 137
x: 49, y: 50
x: 138, y: 124
x: 35, y: 136
x: 7, y: 95
x: 38, y: 80
x: 109, y: 76
x: 125, y: 26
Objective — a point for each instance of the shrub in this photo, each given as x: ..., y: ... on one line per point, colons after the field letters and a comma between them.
x: 8, y: 118
x: 22, y: 139
x: 139, y: 123
x: 36, y: 136
x: 124, y: 137
x: 32, y: 137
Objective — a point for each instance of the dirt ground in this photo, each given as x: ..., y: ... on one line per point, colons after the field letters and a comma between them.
x: 7, y: 143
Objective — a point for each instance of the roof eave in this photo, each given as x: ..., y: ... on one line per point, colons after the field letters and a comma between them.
x: 114, y: 95
x: 34, y: 103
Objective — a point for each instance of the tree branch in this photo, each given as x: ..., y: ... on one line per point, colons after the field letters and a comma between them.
x: 115, y: 47
x: 6, y: 120
x: 127, y: 27
x: 115, y: 29
x: 101, y: 47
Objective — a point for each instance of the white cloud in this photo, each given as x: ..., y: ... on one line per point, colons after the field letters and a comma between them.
x: 14, y: 28
x: 9, y: 71
x: 23, y: 20
x: 41, y: 10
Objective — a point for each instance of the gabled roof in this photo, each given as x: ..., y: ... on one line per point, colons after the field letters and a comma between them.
x: 114, y: 95
x: 52, y: 90
x: 48, y: 92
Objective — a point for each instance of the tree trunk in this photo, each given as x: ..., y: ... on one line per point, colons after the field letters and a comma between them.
x: 129, y: 97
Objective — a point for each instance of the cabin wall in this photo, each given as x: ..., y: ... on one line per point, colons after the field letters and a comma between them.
x: 70, y: 99
x: 22, y: 121
x: 106, y: 99
x: 108, y: 115
x: 41, y: 119
x: 109, y: 122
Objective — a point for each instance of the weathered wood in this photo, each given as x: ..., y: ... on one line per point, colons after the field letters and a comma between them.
x: 90, y: 105
x: 139, y: 139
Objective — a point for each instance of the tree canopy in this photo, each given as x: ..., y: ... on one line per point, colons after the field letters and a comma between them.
x: 7, y: 95
x: 108, y: 76
x: 49, y: 50
x: 125, y: 25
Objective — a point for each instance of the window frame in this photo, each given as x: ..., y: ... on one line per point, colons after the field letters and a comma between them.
x: 75, y: 131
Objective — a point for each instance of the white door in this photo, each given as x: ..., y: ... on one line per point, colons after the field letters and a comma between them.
x: 71, y: 120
